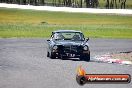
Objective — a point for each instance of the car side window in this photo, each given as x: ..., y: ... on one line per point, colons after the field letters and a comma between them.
x: 52, y: 36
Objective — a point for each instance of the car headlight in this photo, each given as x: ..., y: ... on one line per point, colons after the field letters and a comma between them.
x: 55, y: 47
x: 85, y: 47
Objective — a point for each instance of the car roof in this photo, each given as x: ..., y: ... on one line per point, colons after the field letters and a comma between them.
x: 66, y: 31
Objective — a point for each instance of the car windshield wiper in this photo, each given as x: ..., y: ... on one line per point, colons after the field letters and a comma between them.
x: 67, y: 39
x: 76, y: 40
x: 59, y: 39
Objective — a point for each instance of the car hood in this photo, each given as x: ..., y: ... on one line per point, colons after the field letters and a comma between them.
x: 69, y: 42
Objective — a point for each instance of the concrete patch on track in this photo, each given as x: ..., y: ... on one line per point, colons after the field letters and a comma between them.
x: 119, y: 58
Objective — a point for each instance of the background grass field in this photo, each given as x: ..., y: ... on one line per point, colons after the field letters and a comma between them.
x: 31, y: 23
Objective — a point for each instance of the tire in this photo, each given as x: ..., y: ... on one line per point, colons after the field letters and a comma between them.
x: 85, y: 57
x: 48, y: 54
x: 52, y: 56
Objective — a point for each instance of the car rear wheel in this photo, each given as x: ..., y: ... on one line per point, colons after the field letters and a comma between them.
x: 85, y: 57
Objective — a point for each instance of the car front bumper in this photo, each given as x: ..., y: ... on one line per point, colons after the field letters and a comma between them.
x: 69, y: 54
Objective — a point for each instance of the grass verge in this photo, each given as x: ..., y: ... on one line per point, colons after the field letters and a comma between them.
x: 30, y: 23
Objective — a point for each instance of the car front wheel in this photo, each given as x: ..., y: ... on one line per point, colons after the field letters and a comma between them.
x: 48, y: 54
x: 85, y: 57
x: 52, y: 56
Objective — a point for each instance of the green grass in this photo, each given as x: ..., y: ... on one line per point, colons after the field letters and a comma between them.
x: 30, y: 23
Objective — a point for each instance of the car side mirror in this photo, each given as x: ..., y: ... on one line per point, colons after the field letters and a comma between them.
x: 48, y: 40
x: 87, y: 39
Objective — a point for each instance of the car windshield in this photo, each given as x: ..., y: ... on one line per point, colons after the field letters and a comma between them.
x: 77, y: 36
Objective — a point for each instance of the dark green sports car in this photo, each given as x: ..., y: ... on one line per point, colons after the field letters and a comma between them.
x: 68, y: 43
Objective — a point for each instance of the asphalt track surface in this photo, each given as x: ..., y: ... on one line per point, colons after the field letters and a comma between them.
x: 23, y: 64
